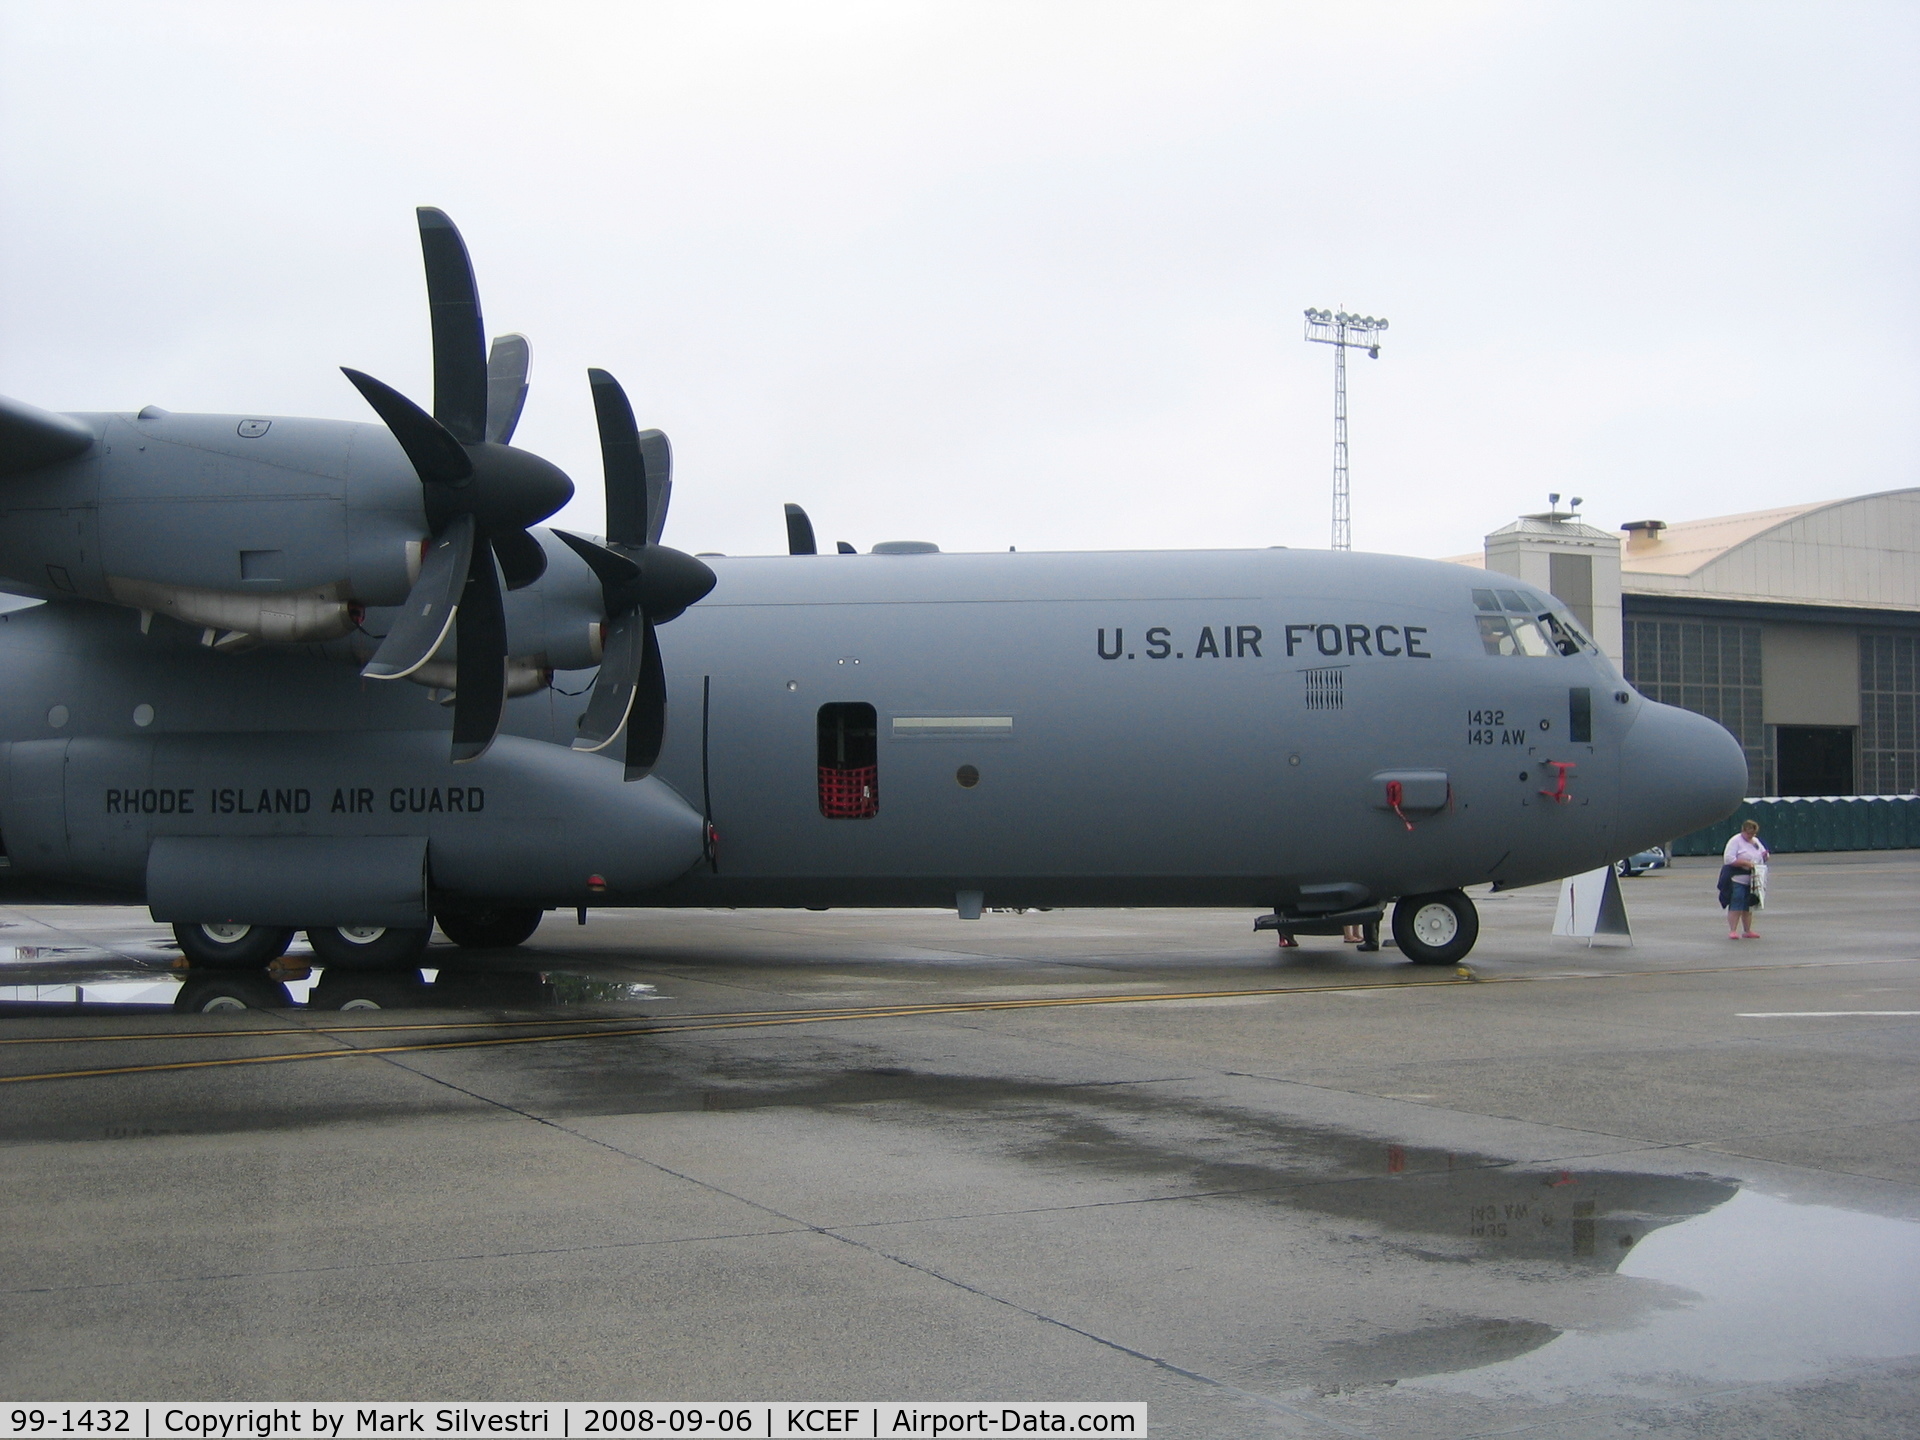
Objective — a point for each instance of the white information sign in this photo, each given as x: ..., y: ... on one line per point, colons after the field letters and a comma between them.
x: 1592, y: 908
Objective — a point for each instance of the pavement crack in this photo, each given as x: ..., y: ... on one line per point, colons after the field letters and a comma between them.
x: 1157, y: 1361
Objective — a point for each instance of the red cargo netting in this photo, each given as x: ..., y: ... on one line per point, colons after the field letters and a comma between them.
x: 849, y: 794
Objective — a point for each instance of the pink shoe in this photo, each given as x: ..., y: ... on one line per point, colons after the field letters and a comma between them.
x: 1751, y: 935
x: 1734, y: 936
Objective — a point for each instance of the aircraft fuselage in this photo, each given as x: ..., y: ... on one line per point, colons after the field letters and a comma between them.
x: 1264, y: 728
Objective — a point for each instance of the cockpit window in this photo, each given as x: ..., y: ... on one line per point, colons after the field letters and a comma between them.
x: 1532, y: 641
x: 1496, y: 637
x: 1565, y: 635
x: 1518, y: 622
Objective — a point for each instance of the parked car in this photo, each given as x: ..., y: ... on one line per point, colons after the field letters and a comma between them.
x: 1652, y: 858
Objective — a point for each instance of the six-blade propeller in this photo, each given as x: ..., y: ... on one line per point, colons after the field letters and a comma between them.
x: 481, y: 496
x: 642, y: 582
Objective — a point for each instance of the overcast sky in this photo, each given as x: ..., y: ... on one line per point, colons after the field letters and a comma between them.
x: 1024, y: 274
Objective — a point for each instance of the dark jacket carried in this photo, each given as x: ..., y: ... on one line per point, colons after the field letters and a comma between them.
x: 1728, y: 874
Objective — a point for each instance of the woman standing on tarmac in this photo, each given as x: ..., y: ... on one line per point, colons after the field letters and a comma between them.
x: 1743, y: 853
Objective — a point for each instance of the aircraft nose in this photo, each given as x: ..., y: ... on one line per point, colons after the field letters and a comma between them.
x: 1679, y: 772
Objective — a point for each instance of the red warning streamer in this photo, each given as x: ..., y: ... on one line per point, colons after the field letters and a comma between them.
x: 1559, y: 794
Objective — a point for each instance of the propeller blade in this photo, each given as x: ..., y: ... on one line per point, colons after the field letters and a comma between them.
x: 647, y: 723
x: 658, y: 455
x: 522, y: 561
x: 422, y: 623
x: 507, y: 366
x: 436, y: 455
x: 619, y: 575
x: 480, y: 659
x: 459, y: 336
x: 800, y: 539
x: 621, y: 657
x: 631, y: 688
x: 621, y: 462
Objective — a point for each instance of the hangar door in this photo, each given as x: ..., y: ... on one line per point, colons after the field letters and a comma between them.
x: 1814, y: 759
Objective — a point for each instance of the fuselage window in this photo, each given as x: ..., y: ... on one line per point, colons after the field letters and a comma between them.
x: 849, y: 761
x: 1580, y: 715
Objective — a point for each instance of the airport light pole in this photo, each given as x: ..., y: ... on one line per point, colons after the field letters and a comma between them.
x: 1340, y: 330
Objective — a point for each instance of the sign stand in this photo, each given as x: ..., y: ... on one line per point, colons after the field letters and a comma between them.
x: 1592, y: 907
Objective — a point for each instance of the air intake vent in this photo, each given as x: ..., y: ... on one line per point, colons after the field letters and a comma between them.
x: 1326, y: 688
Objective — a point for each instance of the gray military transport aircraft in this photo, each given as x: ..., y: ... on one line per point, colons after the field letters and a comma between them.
x: 235, y: 706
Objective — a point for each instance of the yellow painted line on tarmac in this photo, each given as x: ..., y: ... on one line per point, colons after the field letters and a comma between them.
x: 751, y: 1020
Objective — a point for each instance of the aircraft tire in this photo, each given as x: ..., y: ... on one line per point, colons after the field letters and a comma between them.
x: 232, y: 990
x: 493, y: 928
x: 368, y: 947
x: 232, y: 947
x: 1436, y: 929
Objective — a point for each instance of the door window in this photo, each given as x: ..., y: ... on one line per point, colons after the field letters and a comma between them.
x: 849, y: 761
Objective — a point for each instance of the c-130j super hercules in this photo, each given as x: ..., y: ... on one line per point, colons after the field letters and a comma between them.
x: 189, y: 721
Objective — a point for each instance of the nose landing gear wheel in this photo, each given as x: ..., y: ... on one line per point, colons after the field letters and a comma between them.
x: 232, y: 946
x: 1436, y: 929
x: 368, y: 947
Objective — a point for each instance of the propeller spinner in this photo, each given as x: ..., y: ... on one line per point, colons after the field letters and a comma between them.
x: 480, y: 494
x: 642, y: 582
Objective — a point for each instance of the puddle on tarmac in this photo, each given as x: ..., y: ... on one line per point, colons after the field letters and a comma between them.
x: 1767, y: 1291
x: 1592, y: 1279
x: 1686, y: 1281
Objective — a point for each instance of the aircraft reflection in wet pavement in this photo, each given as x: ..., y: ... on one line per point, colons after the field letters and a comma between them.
x: 72, y: 979
x: 211, y: 991
x: 187, y: 721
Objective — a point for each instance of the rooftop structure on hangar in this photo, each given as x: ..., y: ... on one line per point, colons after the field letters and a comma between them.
x: 1797, y: 628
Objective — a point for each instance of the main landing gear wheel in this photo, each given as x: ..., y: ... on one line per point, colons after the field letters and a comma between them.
x: 368, y: 947
x: 232, y: 946
x: 1436, y: 929
x: 495, y: 928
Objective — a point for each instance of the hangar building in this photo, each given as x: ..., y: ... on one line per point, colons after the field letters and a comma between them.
x: 1798, y: 628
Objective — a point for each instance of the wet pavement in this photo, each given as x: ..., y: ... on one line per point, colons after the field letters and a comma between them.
x: 1667, y: 1189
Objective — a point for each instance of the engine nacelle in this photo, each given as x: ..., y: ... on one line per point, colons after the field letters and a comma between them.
x: 271, y: 531
x: 218, y: 504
